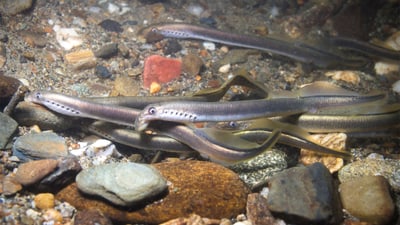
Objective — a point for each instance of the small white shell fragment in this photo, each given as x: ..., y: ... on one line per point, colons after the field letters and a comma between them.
x: 383, y: 68
x: 68, y: 38
x: 344, y: 75
x: 209, y: 46
x: 225, y: 68
x: 396, y: 86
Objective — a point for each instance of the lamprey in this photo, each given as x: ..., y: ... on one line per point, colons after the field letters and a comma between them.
x: 295, y: 51
x: 256, y: 130
x: 188, y: 111
x: 77, y: 107
x: 372, y: 51
x: 212, y: 151
x: 326, y: 123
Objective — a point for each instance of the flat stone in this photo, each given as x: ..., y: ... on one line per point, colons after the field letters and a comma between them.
x: 33, y: 171
x: 7, y: 129
x: 160, y: 70
x: 107, y: 51
x: 29, y: 114
x: 204, y: 188
x: 389, y: 168
x: 123, y: 184
x: 44, y: 145
x: 304, y: 195
x: 368, y: 199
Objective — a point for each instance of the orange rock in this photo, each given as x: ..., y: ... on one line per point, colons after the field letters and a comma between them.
x: 44, y: 201
x: 203, y: 188
x: 160, y: 70
x: 33, y: 171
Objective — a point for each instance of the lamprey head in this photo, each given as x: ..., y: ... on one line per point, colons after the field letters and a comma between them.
x: 145, y: 116
x: 34, y: 96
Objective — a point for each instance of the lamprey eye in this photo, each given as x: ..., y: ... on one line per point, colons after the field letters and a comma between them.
x: 154, y: 30
x: 152, y: 110
x: 38, y: 95
x: 233, y: 124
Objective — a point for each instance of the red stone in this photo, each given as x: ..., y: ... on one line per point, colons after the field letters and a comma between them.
x: 160, y: 69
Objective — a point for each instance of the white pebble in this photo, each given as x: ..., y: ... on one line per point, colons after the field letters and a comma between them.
x: 225, y: 68
x: 195, y: 9
x: 209, y: 46
x: 68, y: 38
x: 396, y: 86
x: 383, y: 68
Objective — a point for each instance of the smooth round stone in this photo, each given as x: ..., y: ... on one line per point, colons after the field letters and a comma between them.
x: 123, y: 184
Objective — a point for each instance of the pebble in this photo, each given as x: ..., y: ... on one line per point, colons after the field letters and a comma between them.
x: 160, y: 69
x: 3, y: 55
x: 30, y: 114
x: 125, y: 86
x: 9, y: 185
x: 333, y: 141
x: 107, y: 51
x: 81, y: 59
x: 44, y: 201
x: 68, y: 38
x: 236, y: 56
x: 13, y: 7
x: 389, y: 168
x: 111, y: 25
x: 102, y: 72
x: 52, y: 215
x: 368, y: 199
x: 8, y: 86
x: 44, y: 145
x: 123, y: 184
x: 64, y: 174
x: 194, y: 187
x: 209, y: 46
x: 191, y: 64
x: 154, y: 88
x: 257, y: 210
x: 257, y: 170
x: 304, y: 195
x: 7, y: 129
x: 344, y: 75
x: 34, y: 38
x: 225, y: 68
x: 91, y: 216
x: 32, y: 172
x: 171, y: 47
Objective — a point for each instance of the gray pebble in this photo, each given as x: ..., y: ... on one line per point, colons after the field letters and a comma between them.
x: 304, y: 195
x: 44, y: 145
x: 7, y: 129
x: 107, y: 51
x: 123, y: 184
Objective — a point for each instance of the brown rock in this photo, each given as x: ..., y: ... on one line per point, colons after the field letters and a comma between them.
x: 81, y: 60
x: 9, y: 185
x: 44, y: 201
x: 33, y: 171
x: 257, y: 210
x: 204, y: 188
x: 368, y: 199
x: 34, y: 38
x: 91, y: 216
x: 8, y: 86
x: 125, y: 86
x: 192, y: 64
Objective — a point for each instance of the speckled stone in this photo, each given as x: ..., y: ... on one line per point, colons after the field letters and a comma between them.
x: 257, y: 170
x: 304, y: 195
x: 204, y: 188
x: 389, y: 168
x: 368, y: 199
x: 7, y: 129
x: 257, y: 211
x: 33, y: 171
x: 44, y: 145
x: 123, y: 184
